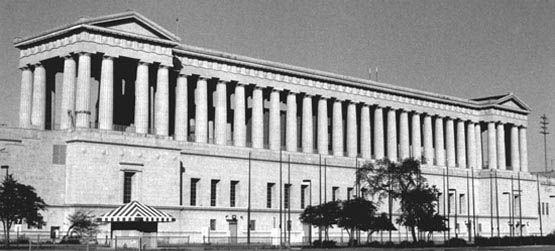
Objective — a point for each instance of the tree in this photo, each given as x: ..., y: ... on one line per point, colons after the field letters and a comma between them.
x: 82, y: 224
x: 379, y: 224
x: 417, y: 206
x: 18, y: 203
x: 356, y: 214
x: 323, y: 216
x: 432, y: 223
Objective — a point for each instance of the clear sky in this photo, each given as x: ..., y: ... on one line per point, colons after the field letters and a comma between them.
x: 461, y: 48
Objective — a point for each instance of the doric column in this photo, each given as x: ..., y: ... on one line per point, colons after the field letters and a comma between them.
x: 523, y: 150
x: 68, y: 93
x: 515, y: 153
x: 461, y: 146
x: 307, y: 127
x: 440, y: 146
x: 39, y: 97
x: 416, y: 138
x: 501, y: 162
x: 450, y: 142
x: 492, y: 146
x: 201, y: 111
x: 220, y: 116
x: 323, y: 138
x: 337, y: 128
x: 365, y: 137
x: 181, y: 108
x: 428, y: 140
x: 106, y: 99
x: 26, y: 97
x: 378, y: 133
x: 239, y: 126
x: 404, y: 135
x: 275, y: 128
x: 161, y: 115
x: 391, y: 135
x: 471, y: 141
x: 478, y: 138
x: 257, y: 120
x: 352, y: 130
x: 141, y: 98
x: 291, y: 123
x: 82, y: 102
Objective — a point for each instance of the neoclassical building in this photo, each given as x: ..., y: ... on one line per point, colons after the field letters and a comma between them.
x: 115, y: 109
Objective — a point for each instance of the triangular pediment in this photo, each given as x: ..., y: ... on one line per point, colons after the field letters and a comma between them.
x: 512, y: 104
x: 135, y: 23
x: 508, y: 100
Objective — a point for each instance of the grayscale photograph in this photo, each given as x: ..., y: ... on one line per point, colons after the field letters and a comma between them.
x: 277, y: 124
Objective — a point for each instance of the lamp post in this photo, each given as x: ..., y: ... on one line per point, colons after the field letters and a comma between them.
x: 510, y: 215
x: 456, y: 224
x: 6, y: 167
x: 310, y: 204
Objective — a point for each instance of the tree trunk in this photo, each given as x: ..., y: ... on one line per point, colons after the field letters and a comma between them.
x: 7, y: 229
x: 413, y: 233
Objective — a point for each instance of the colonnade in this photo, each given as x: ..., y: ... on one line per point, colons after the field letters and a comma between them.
x: 366, y: 130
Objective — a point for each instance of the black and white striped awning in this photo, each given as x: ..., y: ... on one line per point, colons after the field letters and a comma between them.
x: 135, y: 211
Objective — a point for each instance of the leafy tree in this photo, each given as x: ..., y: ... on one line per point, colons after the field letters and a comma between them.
x: 379, y: 224
x: 432, y: 223
x: 18, y: 203
x: 323, y: 216
x: 356, y: 214
x: 82, y: 224
x: 417, y: 206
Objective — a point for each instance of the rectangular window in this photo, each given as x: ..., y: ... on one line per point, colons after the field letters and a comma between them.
x: 269, y: 189
x: 252, y: 225
x: 349, y: 193
x: 461, y: 203
x: 59, y: 154
x: 286, y: 197
x: 363, y: 192
x: 334, y: 191
x: 543, y: 208
x: 547, y: 208
x: 303, y: 194
x: 479, y: 227
x: 194, y: 191
x: 450, y: 203
x: 127, y: 186
x: 213, y: 224
x: 213, y: 191
x: 232, y: 193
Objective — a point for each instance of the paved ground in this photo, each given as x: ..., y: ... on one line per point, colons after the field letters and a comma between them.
x: 513, y: 248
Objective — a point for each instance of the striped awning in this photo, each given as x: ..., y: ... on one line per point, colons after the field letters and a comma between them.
x: 135, y: 211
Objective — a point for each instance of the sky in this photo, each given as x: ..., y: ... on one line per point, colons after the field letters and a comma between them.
x: 466, y: 49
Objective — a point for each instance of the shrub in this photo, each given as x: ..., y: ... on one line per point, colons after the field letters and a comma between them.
x: 406, y: 244
x: 325, y: 243
x: 455, y: 242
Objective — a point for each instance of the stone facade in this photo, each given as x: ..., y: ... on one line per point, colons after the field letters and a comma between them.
x: 171, y: 114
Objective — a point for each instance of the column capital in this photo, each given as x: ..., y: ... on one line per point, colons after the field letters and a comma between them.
x: 162, y: 66
x: 143, y: 63
x: 39, y: 64
x: 70, y: 55
x: 83, y: 53
x: 108, y: 57
x: 25, y: 67
x: 237, y: 83
x: 277, y: 89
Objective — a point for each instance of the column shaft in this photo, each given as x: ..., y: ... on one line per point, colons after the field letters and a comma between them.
x: 161, y: 115
x: 82, y: 102
x: 501, y: 161
x: 291, y: 121
x: 337, y: 129
x: 461, y: 145
x: 428, y: 140
x: 181, y: 108
x: 365, y: 137
x: 378, y: 134
x: 26, y: 98
x: 67, y: 107
x: 471, y: 139
x: 391, y: 135
x: 404, y: 135
x: 39, y: 97
x: 352, y: 149
x: 106, y: 104
x: 492, y: 146
x: 323, y: 138
x: 239, y: 126
x: 515, y: 153
x: 201, y: 111
x: 307, y: 126
x: 141, y: 98
x: 450, y: 142
x: 257, y: 121
x: 523, y: 150
x: 220, y: 117
x: 478, y: 138
x: 439, y: 144
x: 275, y: 126
x: 416, y: 138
